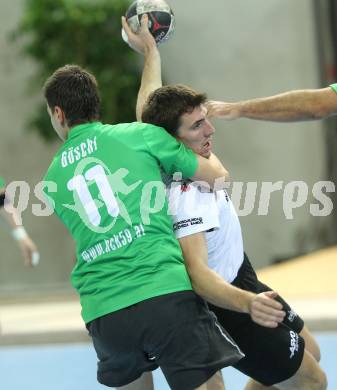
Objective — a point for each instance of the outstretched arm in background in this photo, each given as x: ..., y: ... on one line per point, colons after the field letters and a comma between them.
x: 290, y: 106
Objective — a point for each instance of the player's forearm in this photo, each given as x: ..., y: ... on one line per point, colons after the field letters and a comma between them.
x: 289, y: 106
x: 210, y: 170
x: 27, y: 246
x: 9, y: 217
x: 151, y: 78
x: 18, y: 231
x: 217, y: 164
x: 208, y: 283
x: 217, y: 291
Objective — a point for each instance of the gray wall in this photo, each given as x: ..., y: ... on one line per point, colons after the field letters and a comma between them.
x: 238, y: 49
x: 233, y: 49
x: 23, y: 156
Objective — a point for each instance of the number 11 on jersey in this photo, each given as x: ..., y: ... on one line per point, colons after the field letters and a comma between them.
x: 79, y: 184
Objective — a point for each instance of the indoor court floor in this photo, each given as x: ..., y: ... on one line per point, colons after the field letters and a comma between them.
x: 73, y: 366
x: 44, y: 345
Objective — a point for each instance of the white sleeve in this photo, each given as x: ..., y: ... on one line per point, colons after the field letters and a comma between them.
x: 192, y: 211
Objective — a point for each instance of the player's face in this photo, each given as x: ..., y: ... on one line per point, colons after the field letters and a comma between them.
x: 196, y: 131
x: 57, y: 121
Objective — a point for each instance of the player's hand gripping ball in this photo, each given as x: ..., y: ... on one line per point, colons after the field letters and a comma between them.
x: 161, y: 18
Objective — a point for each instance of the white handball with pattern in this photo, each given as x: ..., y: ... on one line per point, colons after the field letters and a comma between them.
x: 161, y: 19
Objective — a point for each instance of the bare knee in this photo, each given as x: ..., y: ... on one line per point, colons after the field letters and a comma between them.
x: 310, y: 376
x: 311, y: 344
x: 253, y: 385
x: 319, y: 381
x: 216, y: 382
x: 213, y: 383
x: 324, y: 381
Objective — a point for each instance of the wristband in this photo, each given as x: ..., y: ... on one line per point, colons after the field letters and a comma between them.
x: 19, y: 233
x: 35, y: 259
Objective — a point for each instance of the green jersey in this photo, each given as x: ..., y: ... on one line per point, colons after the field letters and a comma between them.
x: 2, y: 183
x: 334, y: 87
x: 105, y: 185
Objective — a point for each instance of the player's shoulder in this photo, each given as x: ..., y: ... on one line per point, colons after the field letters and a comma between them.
x: 136, y: 130
x: 150, y: 131
x: 131, y: 126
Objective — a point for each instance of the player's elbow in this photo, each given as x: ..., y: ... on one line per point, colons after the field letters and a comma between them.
x: 224, y: 174
x: 219, y: 179
x: 217, y: 176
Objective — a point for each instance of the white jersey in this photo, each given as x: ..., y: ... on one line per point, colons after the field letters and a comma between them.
x: 194, y: 211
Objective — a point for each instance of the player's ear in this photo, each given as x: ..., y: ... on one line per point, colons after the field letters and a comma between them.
x: 59, y: 115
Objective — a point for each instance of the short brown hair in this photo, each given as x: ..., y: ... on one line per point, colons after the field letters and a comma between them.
x: 75, y: 91
x: 167, y: 104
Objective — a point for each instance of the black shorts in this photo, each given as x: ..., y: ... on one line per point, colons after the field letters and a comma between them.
x: 176, y: 332
x: 272, y: 354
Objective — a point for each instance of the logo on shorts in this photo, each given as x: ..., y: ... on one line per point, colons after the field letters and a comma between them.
x: 152, y: 358
x: 293, y: 343
x: 291, y: 315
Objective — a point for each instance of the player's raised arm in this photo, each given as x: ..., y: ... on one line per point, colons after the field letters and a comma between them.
x: 144, y: 43
x: 210, y: 170
x: 299, y: 105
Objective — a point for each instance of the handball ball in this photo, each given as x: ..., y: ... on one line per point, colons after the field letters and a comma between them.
x: 161, y: 18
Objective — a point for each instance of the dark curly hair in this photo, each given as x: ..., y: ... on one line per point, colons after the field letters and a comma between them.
x: 167, y: 104
x: 75, y: 91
